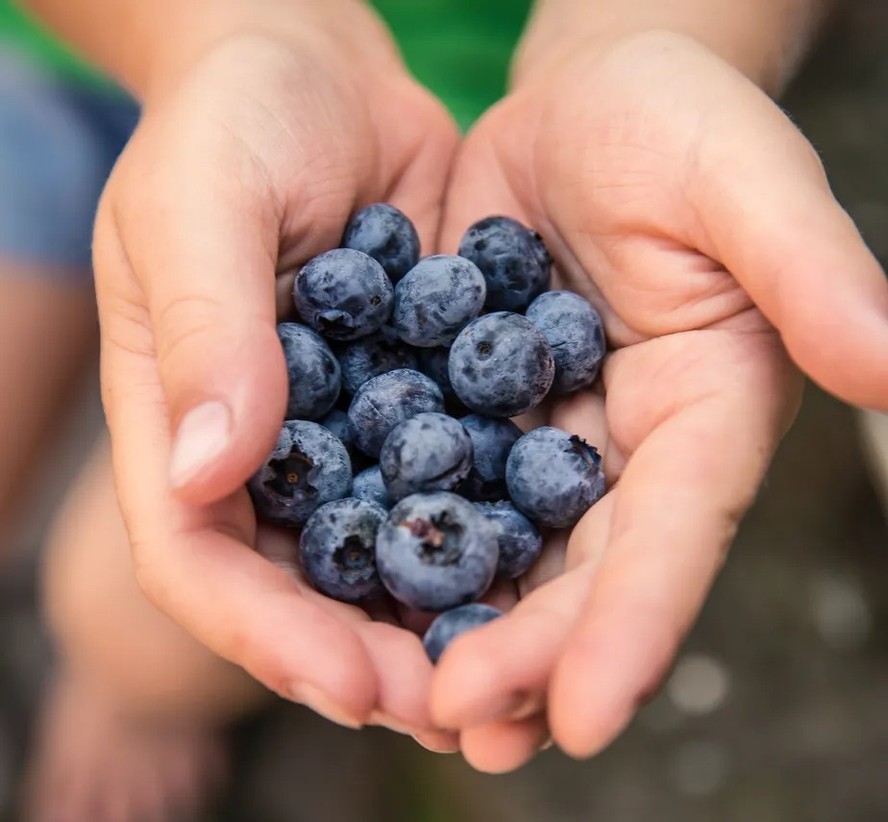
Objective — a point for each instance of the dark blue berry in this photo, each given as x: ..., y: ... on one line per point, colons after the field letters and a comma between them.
x: 339, y: 425
x: 428, y: 452
x: 436, y: 300
x: 338, y: 549
x: 312, y: 371
x: 575, y: 334
x: 381, y: 403
x: 343, y: 294
x: 492, y: 439
x: 434, y: 363
x: 385, y: 233
x: 371, y: 356
x: 449, y: 625
x: 501, y: 365
x: 308, y: 467
x: 520, y: 543
x: 554, y: 477
x: 369, y: 485
x: 512, y: 259
x: 436, y: 551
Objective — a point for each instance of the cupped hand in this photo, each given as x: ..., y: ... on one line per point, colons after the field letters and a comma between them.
x: 244, y: 166
x: 679, y: 199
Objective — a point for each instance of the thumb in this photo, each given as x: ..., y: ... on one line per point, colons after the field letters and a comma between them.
x: 202, y: 249
x: 767, y: 212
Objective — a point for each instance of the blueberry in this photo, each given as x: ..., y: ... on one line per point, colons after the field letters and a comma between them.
x: 449, y: 625
x: 501, y: 365
x: 436, y: 300
x: 308, y: 467
x: 428, y: 452
x: 575, y: 334
x: 344, y: 294
x: 520, y: 543
x: 371, y: 356
x: 312, y: 371
x: 384, y: 233
x: 512, y: 259
x: 369, y: 485
x: 554, y: 477
x: 433, y: 362
x: 339, y: 425
x: 381, y: 403
x: 338, y: 549
x: 436, y: 551
x: 492, y: 439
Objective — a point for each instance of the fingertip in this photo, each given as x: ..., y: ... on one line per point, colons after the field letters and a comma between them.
x: 403, y: 674
x: 502, y: 747
x: 229, y: 419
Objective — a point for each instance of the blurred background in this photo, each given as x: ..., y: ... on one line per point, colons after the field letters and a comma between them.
x: 777, y: 709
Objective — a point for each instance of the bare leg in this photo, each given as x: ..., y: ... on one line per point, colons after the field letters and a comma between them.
x: 129, y: 732
x: 48, y: 338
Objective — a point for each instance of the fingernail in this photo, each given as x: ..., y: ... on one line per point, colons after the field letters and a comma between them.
x: 320, y: 703
x: 203, y: 434
x: 388, y: 721
x: 435, y: 747
x: 524, y: 707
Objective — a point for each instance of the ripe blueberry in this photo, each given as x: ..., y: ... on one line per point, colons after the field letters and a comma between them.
x: 492, y: 439
x: 384, y: 233
x: 381, y: 403
x: 343, y: 294
x: 338, y: 549
x: 436, y: 551
x: 371, y: 356
x: 575, y: 334
x: 554, y: 477
x: 369, y: 485
x: 436, y: 299
x: 308, y: 467
x: 449, y: 625
x: 428, y: 452
x: 512, y: 259
x: 501, y: 365
x: 520, y: 543
x: 312, y: 371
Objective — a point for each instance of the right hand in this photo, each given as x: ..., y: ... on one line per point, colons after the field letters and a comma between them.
x: 245, y: 165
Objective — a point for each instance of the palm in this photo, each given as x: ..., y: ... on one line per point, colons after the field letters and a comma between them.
x: 264, y: 174
x: 696, y: 393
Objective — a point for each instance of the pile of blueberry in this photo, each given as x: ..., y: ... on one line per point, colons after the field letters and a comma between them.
x: 398, y: 459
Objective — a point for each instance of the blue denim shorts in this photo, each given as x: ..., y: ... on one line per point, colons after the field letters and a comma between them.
x: 58, y: 144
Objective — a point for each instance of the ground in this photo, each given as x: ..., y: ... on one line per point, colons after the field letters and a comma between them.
x: 775, y: 711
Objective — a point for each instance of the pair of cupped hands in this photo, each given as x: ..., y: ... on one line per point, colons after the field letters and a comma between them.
x: 671, y: 191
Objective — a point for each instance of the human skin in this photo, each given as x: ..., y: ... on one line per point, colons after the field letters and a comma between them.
x: 260, y: 136
x: 671, y: 191
x: 640, y: 139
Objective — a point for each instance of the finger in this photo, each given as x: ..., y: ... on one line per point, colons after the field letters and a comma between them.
x: 502, y: 669
x: 418, y: 187
x: 766, y: 211
x: 202, y: 244
x: 680, y: 499
x: 441, y: 742
x: 403, y: 669
x: 194, y: 563
x: 479, y: 187
x: 501, y: 747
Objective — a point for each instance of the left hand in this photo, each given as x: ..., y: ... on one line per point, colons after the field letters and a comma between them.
x: 679, y: 199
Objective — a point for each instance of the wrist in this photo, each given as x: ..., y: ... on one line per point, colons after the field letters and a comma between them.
x: 172, y: 43
x: 763, y: 39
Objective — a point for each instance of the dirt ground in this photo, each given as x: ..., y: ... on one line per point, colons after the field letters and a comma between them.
x: 778, y: 707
